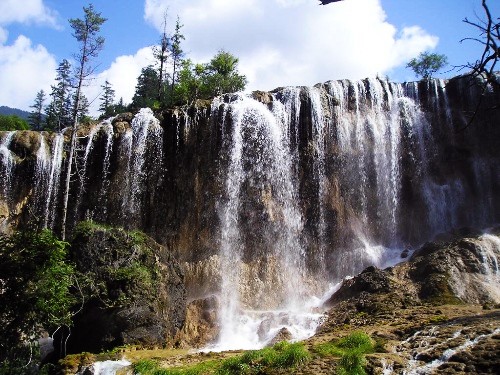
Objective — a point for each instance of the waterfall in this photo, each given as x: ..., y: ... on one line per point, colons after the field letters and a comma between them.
x: 259, y: 161
x: 47, y: 177
x: 146, y: 137
x: 7, y: 163
x: 82, y: 169
x: 275, y: 196
x: 107, y: 127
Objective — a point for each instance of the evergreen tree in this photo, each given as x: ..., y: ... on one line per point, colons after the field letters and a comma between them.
x: 85, y: 32
x: 107, y: 100
x: 83, y: 108
x: 146, y: 90
x: 176, y: 54
x: 36, y: 116
x: 120, y: 107
x: 59, y: 110
x: 160, y: 53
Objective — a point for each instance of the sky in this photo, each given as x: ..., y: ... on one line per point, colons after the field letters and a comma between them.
x: 278, y: 42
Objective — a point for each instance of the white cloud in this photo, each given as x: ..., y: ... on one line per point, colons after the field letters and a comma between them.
x: 26, y: 11
x: 24, y: 70
x: 294, y: 42
x: 122, y: 75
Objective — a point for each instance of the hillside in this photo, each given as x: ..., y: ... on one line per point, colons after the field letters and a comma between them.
x: 4, y: 110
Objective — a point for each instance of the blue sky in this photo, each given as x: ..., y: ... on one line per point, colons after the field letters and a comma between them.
x: 279, y: 42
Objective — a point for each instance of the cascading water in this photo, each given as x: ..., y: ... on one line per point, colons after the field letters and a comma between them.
x: 146, y: 137
x: 82, y: 169
x: 259, y: 160
x: 107, y: 127
x: 7, y: 162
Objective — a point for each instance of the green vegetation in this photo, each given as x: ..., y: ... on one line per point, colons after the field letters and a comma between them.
x: 281, y: 356
x: 351, y: 350
x: 36, y: 282
x: 13, y: 122
x: 193, y: 81
x: 438, y: 319
x: 427, y: 64
x: 121, y: 265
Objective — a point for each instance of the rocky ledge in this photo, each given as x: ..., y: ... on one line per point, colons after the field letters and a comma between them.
x: 437, y: 313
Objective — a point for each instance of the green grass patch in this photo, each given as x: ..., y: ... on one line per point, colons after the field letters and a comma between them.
x: 281, y: 356
x: 351, y: 349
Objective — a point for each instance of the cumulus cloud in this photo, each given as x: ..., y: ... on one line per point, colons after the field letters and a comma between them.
x: 26, y: 11
x: 294, y: 42
x: 122, y: 75
x: 25, y: 69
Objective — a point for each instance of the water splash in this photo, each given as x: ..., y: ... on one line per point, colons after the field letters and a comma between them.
x: 110, y: 367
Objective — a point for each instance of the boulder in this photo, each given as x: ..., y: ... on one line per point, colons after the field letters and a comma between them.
x: 202, y: 323
x: 282, y: 335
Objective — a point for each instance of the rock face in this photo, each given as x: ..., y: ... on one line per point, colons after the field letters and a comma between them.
x: 133, y: 290
x: 272, y: 196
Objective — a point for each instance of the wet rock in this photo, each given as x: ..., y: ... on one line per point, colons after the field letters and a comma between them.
x: 201, y: 326
x: 282, y: 335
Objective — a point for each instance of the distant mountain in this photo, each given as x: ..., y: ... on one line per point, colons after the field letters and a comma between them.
x: 14, y: 111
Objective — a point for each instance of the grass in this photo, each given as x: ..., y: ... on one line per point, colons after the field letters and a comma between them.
x: 351, y: 349
x: 281, y: 356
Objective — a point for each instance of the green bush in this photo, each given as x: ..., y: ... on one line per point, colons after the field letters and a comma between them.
x: 36, y: 281
x: 13, y: 122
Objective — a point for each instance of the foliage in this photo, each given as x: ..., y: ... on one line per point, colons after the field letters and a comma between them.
x: 177, y: 53
x: 116, y: 266
x: 58, y: 111
x: 222, y: 76
x: 86, y: 32
x: 36, y: 282
x: 204, y: 81
x: 36, y: 116
x: 427, y: 64
x: 12, y: 122
x: 107, y: 99
x: 146, y: 90
x: 351, y: 350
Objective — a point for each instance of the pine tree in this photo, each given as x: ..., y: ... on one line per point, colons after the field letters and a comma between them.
x: 59, y: 110
x: 146, y: 92
x: 36, y: 117
x: 107, y: 100
x: 85, y: 32
x: 160, y: 53
x: 177, y: 54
